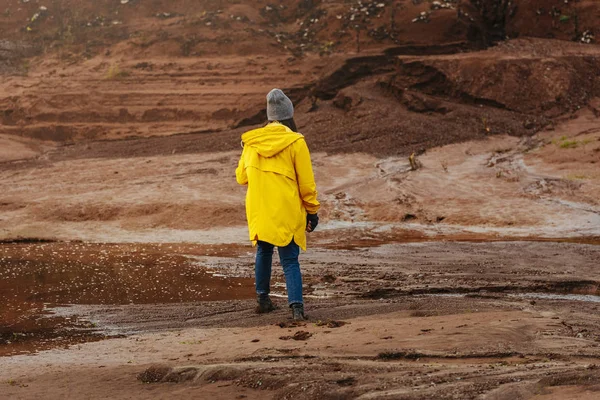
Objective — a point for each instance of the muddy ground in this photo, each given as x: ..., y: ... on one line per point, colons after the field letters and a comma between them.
x: 125, y: 270
x: 400, y: 320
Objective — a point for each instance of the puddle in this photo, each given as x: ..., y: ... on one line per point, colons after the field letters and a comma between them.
x: 37, y: 328
x: 445, y: 295
x: 589, y: 298
x: 374, y: 238
x: 37, y: 277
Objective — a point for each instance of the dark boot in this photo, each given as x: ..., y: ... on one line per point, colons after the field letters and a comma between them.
x: 265, y: 305
x: 298, y: 312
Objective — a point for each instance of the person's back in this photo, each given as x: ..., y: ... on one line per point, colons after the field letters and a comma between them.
x: 281, y: 201
x: 281, y: 187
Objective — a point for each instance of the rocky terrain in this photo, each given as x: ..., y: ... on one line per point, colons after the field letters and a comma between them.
x: 456, y: 147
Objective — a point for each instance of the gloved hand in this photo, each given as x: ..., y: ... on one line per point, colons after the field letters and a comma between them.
x: 312, y: 220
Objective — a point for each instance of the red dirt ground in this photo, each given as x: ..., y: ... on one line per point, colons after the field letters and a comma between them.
x: 124, y: 265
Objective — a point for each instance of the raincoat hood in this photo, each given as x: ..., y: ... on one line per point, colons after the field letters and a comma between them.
x: 270, y: 140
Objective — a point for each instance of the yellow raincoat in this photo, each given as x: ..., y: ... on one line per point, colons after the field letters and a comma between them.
x: 276, y: 166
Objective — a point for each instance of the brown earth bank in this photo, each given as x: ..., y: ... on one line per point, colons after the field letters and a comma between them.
x: 411, y: 81
x: 388, y: 102
x: 468, y: 272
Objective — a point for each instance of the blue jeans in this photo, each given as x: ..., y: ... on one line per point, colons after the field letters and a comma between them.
x: 288, y: 256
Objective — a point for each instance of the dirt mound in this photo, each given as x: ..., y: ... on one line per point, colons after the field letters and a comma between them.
x: 523, y: 82
x: 389, y: 105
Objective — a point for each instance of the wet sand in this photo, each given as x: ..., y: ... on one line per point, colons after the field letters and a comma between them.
x: 397, y: 320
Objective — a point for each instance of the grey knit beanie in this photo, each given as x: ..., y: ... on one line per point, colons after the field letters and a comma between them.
x: 279, y: 106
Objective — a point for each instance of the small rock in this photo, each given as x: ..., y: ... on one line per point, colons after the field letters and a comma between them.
x: 154, y: 373
x: 290, y: 324
x: 587, y: 37
x: 331, y: 323
x: 300, y: 335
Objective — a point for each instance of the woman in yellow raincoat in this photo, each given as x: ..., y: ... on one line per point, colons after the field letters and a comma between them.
x: 281, y: 201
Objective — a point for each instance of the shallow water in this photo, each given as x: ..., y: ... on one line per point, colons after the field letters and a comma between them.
x: 554, y: 296
x: 37, y: 277
x: 544, y: 296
